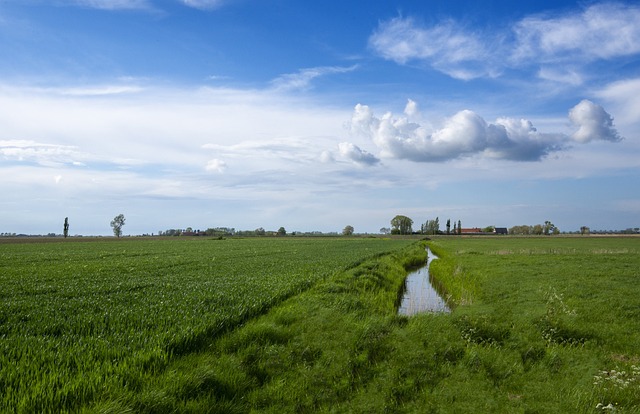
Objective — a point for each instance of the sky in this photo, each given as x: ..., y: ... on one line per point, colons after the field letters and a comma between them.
x: 317, y: 115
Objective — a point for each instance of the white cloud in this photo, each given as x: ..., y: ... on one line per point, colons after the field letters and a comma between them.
x: 558, y: 48
x: 411, y: 109
x: 561, y: 75
x: 447, y: 46
x: 99, y: 90
x: 326, y: 157
x: 593, y: 123
x: 203, y: 4
x: 114, y: 4
x: 624, y: 95
x: 159, y: 126
x: 357, y: 155
x: 216, y: 165
x: 601, y: 31
x: 40, y: 153
x: 302, y: 79
x: 467, y: 134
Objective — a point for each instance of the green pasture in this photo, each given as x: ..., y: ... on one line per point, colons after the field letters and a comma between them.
x: 80, y: 320
x: 539, y: 325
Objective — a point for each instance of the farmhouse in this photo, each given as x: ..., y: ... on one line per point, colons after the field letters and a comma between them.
x: 474, y: 230
x: 501, y: 230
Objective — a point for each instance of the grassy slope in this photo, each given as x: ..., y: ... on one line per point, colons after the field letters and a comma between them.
x: 540, y: 320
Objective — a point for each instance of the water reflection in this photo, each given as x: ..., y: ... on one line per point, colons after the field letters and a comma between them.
x: 419, y: 294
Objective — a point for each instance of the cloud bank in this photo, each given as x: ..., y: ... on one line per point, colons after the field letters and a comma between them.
x: 468, y: 134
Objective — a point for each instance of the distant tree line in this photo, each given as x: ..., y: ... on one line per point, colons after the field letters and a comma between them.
x: 189, y: 231
x: 546, y: 229
x: 229, y: 232
x: 403, y: 225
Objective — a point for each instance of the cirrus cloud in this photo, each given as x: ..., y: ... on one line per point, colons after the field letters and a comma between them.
x: 203, y: 4
x: 601, y: 31
x: 446, y: 46
x: 557, y: 48
x: 301, y: 80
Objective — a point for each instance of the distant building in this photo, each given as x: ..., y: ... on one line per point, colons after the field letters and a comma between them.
x: 474, y: 230
x: 501, y: 230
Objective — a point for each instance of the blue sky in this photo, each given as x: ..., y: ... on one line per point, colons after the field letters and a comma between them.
x: 317, y: 115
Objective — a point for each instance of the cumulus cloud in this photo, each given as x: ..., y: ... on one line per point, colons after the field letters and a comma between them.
x: 593, y: 122
x: 467, y: 134
x: 357, y: 155
x: 301, y: 80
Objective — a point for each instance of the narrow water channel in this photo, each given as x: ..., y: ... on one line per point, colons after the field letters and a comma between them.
x: 419, y: 294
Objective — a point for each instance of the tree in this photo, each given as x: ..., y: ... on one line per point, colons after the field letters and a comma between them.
x: 260, y: 231
x: 347, y: 231
x: 584, y: 230
x: 282, y: 231
x: 401, y: 225
x: 431, y: 227
x: 459, y: 227
x: 385, y: 230
x: 548, y: 227
x: 116, y: 225
x: 449, y: 226
x: 66, y: 227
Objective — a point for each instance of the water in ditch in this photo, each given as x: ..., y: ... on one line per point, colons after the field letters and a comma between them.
x: 420, y: 294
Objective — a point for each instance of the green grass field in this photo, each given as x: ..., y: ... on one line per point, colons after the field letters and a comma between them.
x: 80, y: 320
x: 540, y: 324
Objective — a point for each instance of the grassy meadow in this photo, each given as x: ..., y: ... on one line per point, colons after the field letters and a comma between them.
x: 539, y: 324
x: 81, y: 320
